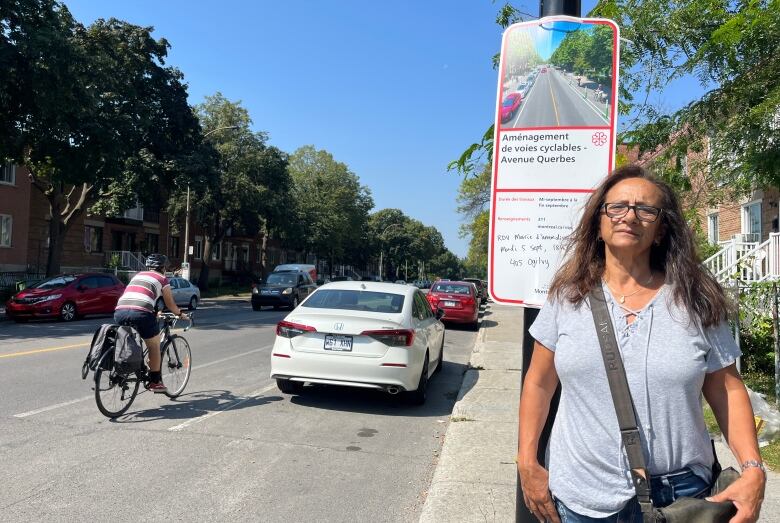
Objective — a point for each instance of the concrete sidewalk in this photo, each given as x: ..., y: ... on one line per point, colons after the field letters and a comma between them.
x: 475, y: 478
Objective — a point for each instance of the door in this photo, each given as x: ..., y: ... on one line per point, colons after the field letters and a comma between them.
x: 109, y: 291
x: 434, y: 330
x: 87, y: 298
x: 176, y: 290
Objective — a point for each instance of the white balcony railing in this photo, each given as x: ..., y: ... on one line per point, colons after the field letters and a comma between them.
x: 747, y: 262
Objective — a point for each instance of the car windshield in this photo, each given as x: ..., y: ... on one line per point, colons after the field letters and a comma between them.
x: 281, y: 278
x: 509, y: 101
x: 451, y: 288
x: 355, y: 301
x: 53, y: 283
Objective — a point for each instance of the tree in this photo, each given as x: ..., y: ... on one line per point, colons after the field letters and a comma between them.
x: 331, y: 203
x: 473, y: 201
x: 247, y: 190
x: 731, y: 49
x: 94, y: 114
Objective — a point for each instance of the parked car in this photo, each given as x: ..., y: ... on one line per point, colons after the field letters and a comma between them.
x: 185, y: 293
x: 311, y: 269
x: 339, y: 278
x: 400, y: 282
x: 67, y: 296
x: 459, y: 301
x: 283, y: 289
x: 481, y: 288
x: 510, y: 105
x: 360, y: 334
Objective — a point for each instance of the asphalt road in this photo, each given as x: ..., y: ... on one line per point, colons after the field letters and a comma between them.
x: 231, y: 448
x: 552, y: 102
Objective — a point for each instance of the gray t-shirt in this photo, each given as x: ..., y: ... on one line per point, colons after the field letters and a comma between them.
x: 666, y: 357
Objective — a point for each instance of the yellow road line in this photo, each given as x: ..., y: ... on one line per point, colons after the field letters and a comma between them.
x: 555, y: 107
x: 38, y: 351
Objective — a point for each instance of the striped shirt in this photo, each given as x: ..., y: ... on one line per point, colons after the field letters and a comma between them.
x: 143, y: 291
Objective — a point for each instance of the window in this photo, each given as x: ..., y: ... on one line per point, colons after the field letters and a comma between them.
x: 751, y: 219
x: 106, y: 281
x: 198, y: 248
x: 8, y: 174
x: 216, y: 251
x: 367, y: 301
x: 174, y: 247
x: 93, y: 238
x: 90, y: 283
x: 6, y: 224
x: 424, y: 306
x: 713, y: 229
x: 151, y: 242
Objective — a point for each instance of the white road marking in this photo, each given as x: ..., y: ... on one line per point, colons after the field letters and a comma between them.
x: 92, y: 396
x: 190, y: 422
x: 52, y: 407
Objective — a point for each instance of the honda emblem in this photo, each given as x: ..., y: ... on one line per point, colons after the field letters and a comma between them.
x: 338, y: 327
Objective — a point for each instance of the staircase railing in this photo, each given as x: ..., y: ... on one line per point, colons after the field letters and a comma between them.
x: 747, y: 262
x: 133, y: 261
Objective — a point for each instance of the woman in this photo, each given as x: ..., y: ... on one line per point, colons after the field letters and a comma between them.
x: 136, y: 308
x: 669, y: 316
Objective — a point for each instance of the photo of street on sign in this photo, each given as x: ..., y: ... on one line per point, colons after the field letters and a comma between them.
x: 554, y: 141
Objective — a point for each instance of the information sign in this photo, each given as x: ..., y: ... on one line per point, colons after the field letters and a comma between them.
x: 554, y: 142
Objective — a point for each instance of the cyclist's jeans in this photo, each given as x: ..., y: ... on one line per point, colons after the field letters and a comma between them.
x: 665, y: 489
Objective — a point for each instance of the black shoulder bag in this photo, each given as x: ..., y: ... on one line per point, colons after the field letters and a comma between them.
x: 683, y: 510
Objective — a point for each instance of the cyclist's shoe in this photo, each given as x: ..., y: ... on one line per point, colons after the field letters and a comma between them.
x: 158, y: 388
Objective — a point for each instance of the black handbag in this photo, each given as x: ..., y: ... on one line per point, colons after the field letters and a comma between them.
x: 688, y: 510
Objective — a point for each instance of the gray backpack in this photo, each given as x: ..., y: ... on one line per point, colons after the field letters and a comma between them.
x: 128, y: 352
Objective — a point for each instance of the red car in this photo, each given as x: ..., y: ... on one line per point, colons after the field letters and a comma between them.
x: 509, y: 105
x: 67, y: 296
x: 458, y: 299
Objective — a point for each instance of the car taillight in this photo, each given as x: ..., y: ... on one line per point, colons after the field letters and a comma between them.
x: 288, y: 329
x: 468, y: 301
x: 392, y: 337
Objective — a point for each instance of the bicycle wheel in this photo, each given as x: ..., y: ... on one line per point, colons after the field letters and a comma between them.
x: 176, y: 365
x: 114, y: 393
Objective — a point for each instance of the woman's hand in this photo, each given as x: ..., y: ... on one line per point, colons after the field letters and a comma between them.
x: 746, y: 493
x: 534, y: 481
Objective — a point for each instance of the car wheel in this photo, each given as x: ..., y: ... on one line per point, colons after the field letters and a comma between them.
x: 440, y: 363
x: 68, y: 311
x: 289, y: 386
x: 475, y: 325
x: 193, y: 303
x: 294, y: 303
x: 256, y: 307
x: 418, y: 397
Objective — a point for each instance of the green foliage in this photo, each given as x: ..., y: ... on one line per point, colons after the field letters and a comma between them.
x: 731, y: 49
x: 587, y: 52
x: 331, y: 205
x: 93, y: 112
x: 473, y: 202
x: 756, y: 328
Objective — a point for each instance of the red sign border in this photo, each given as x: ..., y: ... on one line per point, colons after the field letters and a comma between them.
x: 497, y: 132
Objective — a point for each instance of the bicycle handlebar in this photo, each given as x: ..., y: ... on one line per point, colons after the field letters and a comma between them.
x: 171, y: 318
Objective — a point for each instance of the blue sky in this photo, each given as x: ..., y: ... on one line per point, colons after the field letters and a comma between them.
x: 396, y: 90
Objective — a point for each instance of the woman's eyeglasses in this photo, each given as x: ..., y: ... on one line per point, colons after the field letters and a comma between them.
x: 644, y: 213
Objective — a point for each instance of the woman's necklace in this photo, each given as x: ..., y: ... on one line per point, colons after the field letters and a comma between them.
x: 624, y: 296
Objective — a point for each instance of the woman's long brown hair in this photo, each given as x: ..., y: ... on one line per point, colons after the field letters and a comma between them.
x: 695, y: 289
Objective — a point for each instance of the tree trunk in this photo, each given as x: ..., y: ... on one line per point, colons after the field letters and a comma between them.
x: 264, y: 252
x: 203, y: 277
x: 57, y: 233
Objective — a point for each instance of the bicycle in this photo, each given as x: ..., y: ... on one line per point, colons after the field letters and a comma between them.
x: 115, y: 391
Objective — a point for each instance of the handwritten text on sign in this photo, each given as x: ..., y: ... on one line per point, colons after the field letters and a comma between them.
x: 529, y: 235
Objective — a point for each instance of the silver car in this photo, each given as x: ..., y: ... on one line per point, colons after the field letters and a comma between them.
x: 185, y: 293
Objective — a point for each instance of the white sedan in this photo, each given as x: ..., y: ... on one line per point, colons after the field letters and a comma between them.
x: 360, y: 334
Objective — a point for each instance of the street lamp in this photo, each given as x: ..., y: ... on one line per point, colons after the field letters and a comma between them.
x: 185, y: 265
x: 382, y: 250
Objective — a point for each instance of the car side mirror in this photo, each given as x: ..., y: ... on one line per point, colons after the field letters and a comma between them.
x: 439, y: 314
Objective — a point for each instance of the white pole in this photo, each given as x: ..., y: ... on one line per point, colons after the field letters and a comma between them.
x: 186, y: 269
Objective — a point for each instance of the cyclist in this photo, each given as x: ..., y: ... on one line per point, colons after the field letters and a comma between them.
x: 136, y: 307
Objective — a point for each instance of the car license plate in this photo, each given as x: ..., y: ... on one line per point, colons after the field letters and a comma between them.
x: 338, y: 343
x: 266, y: 291
x: 450, y: 303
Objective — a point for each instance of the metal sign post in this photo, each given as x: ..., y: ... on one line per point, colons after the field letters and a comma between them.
x: 554, y: 142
